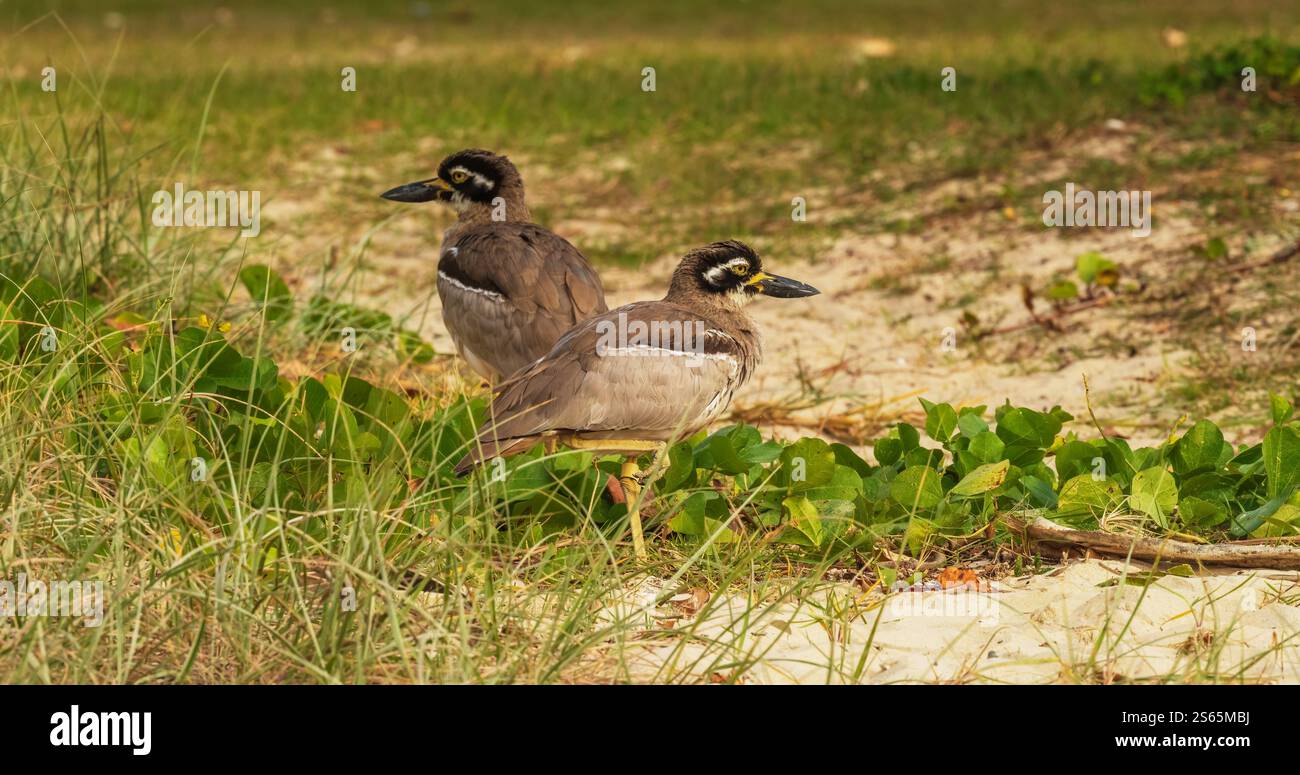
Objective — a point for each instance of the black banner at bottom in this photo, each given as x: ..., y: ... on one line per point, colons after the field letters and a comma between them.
x: 309, y: 724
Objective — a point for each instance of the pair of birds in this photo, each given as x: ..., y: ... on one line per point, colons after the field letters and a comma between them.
x: 527, y: 311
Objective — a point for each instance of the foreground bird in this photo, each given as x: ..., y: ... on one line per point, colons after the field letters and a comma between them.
x: 509, y: 287
x: 632, y: 379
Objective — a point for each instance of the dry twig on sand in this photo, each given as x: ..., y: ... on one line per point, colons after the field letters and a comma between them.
x: 1243, y: 554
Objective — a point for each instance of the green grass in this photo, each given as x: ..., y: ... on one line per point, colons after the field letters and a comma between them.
x: 811, y: 116
x: 248, y: 574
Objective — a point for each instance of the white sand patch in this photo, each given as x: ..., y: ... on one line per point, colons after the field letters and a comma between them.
x: 1074, y: 625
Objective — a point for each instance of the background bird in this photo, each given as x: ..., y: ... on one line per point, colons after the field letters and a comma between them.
x: 509, y: 287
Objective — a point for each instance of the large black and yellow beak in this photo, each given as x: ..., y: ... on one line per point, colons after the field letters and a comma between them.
x: 780, y: 287
x: 421, y: 191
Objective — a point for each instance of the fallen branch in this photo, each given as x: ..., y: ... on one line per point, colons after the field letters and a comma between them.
x: 1283, y: 254
x: 1236, y: 554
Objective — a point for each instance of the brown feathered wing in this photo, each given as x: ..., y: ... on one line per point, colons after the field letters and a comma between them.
x: 510, y: 290
x: 596, y: 385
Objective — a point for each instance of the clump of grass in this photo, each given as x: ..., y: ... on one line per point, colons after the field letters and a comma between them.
x: 252, y: 528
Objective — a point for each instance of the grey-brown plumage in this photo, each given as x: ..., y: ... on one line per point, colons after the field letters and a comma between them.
x: 649, y: 371
x: 509, y: 287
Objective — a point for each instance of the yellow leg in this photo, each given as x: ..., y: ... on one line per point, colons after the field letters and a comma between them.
x: 632, y: 493
x: 611, y: 446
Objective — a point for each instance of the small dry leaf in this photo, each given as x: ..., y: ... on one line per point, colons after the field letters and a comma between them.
x: 954, y: 577
x: 691, y: 601
x: 126, y: 323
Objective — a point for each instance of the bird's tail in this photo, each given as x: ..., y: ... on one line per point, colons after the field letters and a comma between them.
x: 486, y: 449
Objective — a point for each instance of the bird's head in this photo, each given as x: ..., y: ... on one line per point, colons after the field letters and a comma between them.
x: 465, y: 178
x: 731, y: 273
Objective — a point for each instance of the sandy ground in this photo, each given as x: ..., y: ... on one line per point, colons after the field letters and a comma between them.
x: 889, y: 325
x: 868, y: 350
x: 864, y: 349
x: 1077, y: 623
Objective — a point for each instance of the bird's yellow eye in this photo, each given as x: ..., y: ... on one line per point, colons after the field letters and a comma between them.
x: 739, y: 268
x: 459, y: 176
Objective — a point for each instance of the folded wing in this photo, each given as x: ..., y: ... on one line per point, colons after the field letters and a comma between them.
x: 611, y: 378
x: 510, y: 290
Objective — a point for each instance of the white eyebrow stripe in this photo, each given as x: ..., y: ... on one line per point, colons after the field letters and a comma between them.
x: 479, y: 179
x: 720, y: 271
x: 716, y: 273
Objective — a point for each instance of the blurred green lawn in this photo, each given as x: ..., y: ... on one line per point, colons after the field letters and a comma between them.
x: 756, y: 102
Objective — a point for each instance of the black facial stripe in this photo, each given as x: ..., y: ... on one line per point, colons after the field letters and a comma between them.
x: 472, y: 190
x: 718, y: 276
x: 475, y: 163
x: 469, y: 186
